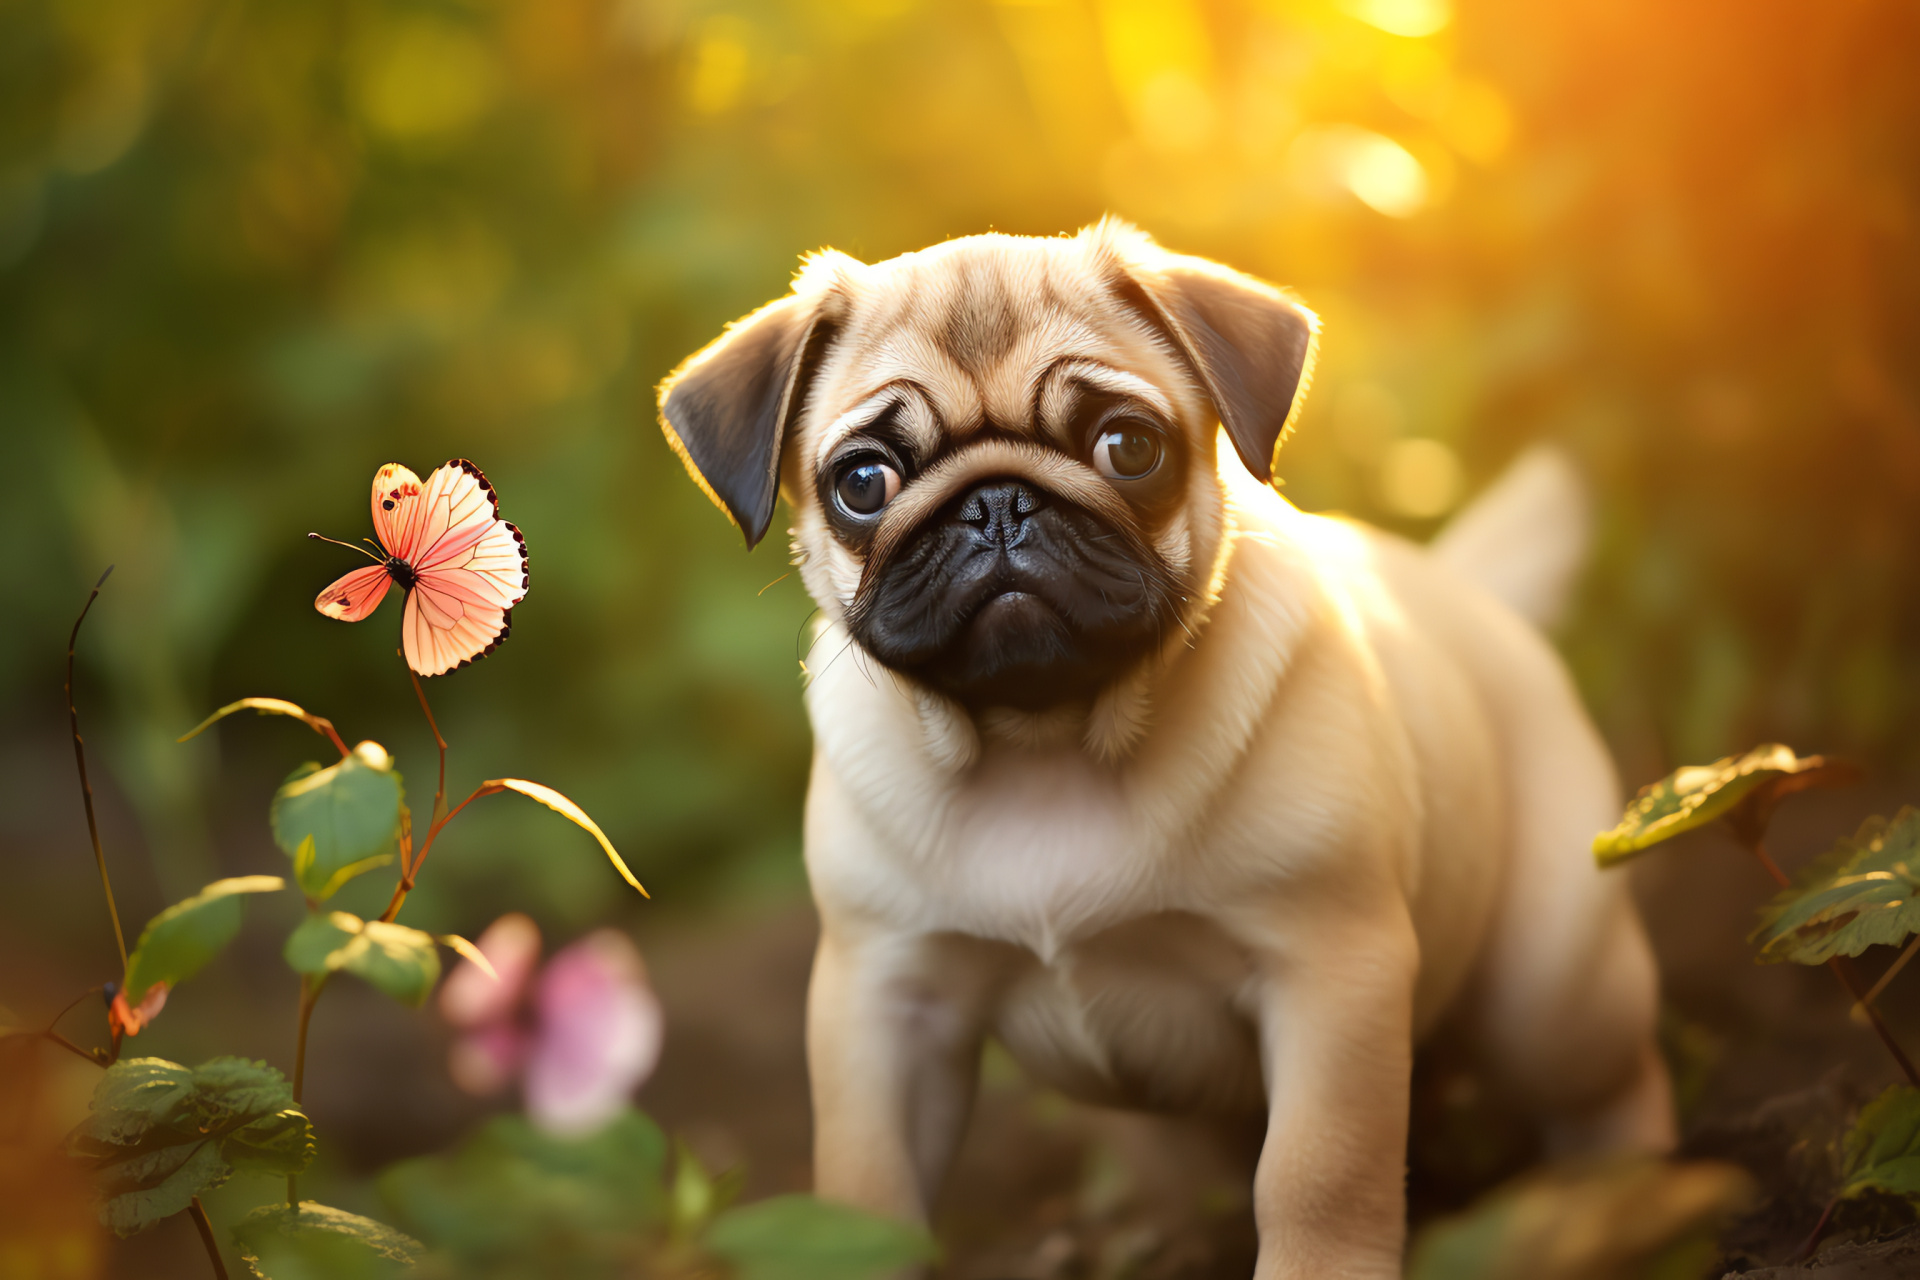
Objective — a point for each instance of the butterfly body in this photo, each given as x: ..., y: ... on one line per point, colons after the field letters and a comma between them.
x: 462, y: 568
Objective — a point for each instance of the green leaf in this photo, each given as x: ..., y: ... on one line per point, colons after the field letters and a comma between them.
x: 177, y: 943
x: 1882, y: 1150
x: 134, y: 1095
x: 694, y: 1197
x: 392, y: 957
x: 318, y: 1242
x: 1863, y: 892
x: 278, y: 1144
x: 303, y: 870
x: 338, y: 880
x: 351, y: 813
x: 802, y: 1238
x: 160, y: 1134
x: 1629, y: 1216
x: 312, y: 945
x: 514, y: 1201
x: 1694, y: 796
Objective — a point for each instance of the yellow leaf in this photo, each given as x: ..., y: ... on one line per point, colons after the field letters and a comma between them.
x: 468, y: 951
x: 568, y: 809
x: 265, y: 706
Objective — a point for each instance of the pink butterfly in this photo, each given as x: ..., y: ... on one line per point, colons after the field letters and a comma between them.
x: 462, y: 567
x: 582, y: 1035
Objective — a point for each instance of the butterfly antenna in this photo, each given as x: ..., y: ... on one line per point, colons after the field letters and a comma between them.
x: 349, y: 546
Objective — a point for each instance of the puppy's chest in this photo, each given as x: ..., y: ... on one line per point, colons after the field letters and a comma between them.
x: 1042, y: 852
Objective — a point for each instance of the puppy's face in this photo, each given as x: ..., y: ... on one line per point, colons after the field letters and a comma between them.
x: 999, y: 451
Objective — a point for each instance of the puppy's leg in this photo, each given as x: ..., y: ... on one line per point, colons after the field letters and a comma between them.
x: 893, y: 1048
x: 1573, y: 1034
x: 1566, y: 1000
x: 1337, y: 1035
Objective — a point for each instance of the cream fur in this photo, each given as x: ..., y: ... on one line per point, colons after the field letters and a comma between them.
x: 1347, y: 800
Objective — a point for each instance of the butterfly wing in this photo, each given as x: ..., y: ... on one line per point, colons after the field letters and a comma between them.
x: 470, y: 569
x: 355, y: 596
x: 399, y: 510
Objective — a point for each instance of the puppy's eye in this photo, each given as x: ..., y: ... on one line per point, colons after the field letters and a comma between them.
x: 1128, y: 451
x: 866, y: 487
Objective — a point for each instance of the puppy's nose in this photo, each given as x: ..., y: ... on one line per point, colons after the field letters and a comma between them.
x: 1000, y: 507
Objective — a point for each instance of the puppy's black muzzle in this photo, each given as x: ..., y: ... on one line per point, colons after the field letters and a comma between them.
x: 1012, y: 597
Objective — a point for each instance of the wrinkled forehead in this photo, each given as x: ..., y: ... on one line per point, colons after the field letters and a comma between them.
x: 976, y: 331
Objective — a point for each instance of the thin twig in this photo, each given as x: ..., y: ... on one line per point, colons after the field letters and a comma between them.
x: 1806, y: 1248
x: 1847, y: 980
x: 74, y: 1004
x: 1758, y: 847
x: 1859, y: 1014
x: 205, y: 1224
x: 86, y: 788
x: 89, y: 1054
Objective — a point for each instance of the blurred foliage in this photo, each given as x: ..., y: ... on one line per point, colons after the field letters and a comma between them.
x: 514, y: 1201
x: 1863, y: 892
x: 250, y: 252
x: 1881, y: 1153
x: 1694, y: 795
x: 320, y: 1242
x: 1635, y: 1218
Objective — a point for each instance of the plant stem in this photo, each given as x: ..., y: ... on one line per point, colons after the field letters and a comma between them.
x: 1757, y: 846
x: 52, y: 1032
x: 86, y: 788
x: 69, y: 1045
x: 409, y: 874
x: 1847, y: 980
x: 439, y: 795
x: 205, y: 1224
x: 1892, y: 972
x: 324, y: 725
x: 1806, y: 1248
x: 309, y: 996
x: 439, y: 818
x: 1759, y: 850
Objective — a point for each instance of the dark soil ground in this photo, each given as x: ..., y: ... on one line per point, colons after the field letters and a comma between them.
x: 1768, y: 1065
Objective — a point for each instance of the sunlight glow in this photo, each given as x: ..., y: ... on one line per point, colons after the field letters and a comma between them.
x: 1162, y: 63
x: 1411, y: 18
x: 1384, y: 175
x: 719, y: 67
x: 1420, y: 479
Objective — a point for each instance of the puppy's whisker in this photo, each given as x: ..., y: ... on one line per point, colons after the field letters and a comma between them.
x: 798, y: 655
x: 830, y: 661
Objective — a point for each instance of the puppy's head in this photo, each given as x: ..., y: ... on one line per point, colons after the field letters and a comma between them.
x: 1000, y: 451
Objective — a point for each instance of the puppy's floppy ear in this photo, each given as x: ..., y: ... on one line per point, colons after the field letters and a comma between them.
x: 728, y: 409
x: 1250, y: 345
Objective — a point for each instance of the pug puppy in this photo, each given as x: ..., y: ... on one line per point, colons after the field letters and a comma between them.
x: 1196, y: 802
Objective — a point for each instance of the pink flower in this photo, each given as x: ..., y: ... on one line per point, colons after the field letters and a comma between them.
x: 589, y: 1035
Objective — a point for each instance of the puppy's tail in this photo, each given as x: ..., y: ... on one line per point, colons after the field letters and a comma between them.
x: 1526, y: 538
